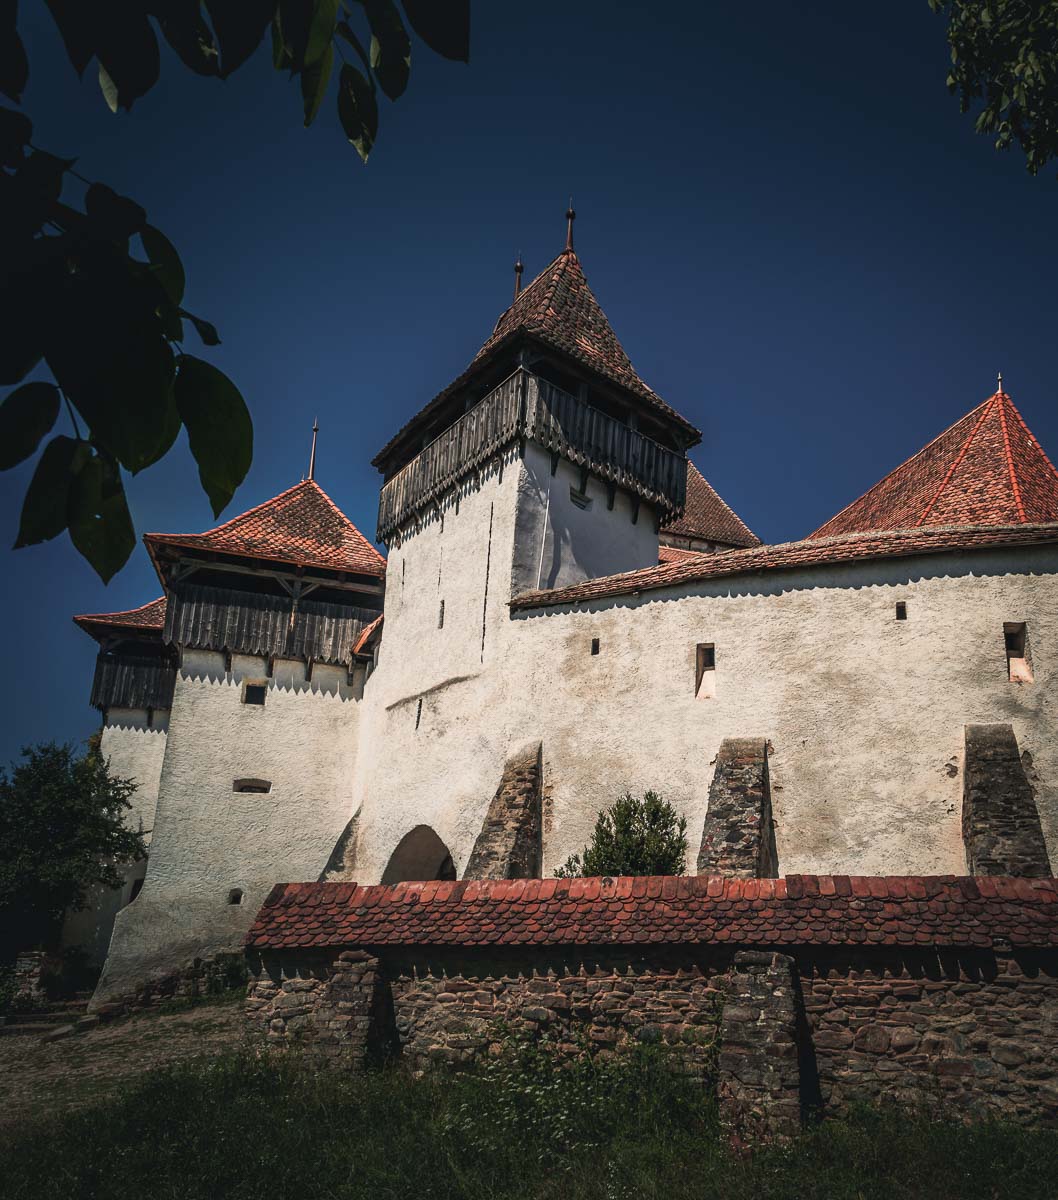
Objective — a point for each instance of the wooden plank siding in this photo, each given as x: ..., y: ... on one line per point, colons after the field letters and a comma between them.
x: 526, y: 406
x: 242, y: 622
x: 132, y: 681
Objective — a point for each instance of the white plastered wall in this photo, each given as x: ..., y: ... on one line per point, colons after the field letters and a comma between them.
x: 134, y: 749
x: 210, y: 840
x: 865, y: 714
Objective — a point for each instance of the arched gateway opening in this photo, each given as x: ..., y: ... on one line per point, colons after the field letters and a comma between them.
x: 420, y: 855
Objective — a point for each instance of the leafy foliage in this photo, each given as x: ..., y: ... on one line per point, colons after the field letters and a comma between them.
x: 62, y: 831
x: 96, y: 296
x: 1004, y: 56
x: 633, y: 837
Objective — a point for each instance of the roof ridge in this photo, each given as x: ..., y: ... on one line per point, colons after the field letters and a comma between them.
x: 1001, y: 396
x: 985, y: 406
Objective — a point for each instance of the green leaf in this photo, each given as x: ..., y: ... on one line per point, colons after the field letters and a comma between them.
x: 44, y: 508
x: 114, y: 216
x: 75, y: 21
x: 129, y: 59
x: 98, y: 516
x: 26, y: 415
x: 109, y: 89
x: 239, y: 26
x: 390, y: 47
x: 16, y: 129
x: 14, y: 66
x: 444, y: 25
x: 314, y: 80
x: 345, y: 30
x: 321, y: 31
x: 219, y: 428
x: 166, y: 262
x: 184, y: 29
x: 206, y: 331
x: 357, y: 110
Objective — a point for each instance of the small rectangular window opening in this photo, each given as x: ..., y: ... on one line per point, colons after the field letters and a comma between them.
x: 441, y: 616
x: 705, y: 670
x: 261, y: 786
x: 254, y: 693
x: 595, y: 645
x: 1016, y: 644
x: 901, y: 610
x: 579, y: 499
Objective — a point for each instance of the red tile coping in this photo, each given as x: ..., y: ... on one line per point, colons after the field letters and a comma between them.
x: 147, y: 617
x: 706, y: 516
x: 812, y: 552
x: 830, y: 910
x: 302, y: 526
x: 986, y: 469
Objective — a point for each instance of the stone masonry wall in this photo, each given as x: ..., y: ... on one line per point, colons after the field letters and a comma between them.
x: 1000, y: 820
x: 453, y: 1010
x: 737, y: 837
x: 972, y: 1032
x: 509, y: 844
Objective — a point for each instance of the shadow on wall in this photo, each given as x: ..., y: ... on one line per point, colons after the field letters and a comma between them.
x: 420, y: 855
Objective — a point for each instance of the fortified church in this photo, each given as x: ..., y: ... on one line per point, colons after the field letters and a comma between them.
x: 567, y: 610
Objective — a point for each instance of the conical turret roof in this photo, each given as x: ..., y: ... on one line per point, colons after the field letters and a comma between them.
x: 986, y: 469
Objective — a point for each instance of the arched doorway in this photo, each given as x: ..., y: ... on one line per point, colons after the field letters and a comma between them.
x: 419, y: 855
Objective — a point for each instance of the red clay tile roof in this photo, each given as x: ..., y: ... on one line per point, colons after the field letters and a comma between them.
x: 812, y: 552
x: 148, y: 617
x: 559, y: 309
x: 706, y: 516
x: 672, y: 554
x: 944, y: 910
x: 369, y: 635
x: 986, y: 469
x: 301, y: 526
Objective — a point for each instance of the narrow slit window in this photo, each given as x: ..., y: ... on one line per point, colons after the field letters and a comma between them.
x: 254, y: 693
x: 595, y: 645
x: 1016, y: 644
x: 705, y: 670
x: 259, y: 786
x: 418, y: 713
x: 441, y: 616
x: 901, y: 610
x: 235, y: 896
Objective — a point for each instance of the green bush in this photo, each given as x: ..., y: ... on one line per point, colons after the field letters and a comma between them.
x: 633, y: 837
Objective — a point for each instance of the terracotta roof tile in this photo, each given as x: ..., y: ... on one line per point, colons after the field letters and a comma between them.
x: 148, y: 617
x: 673, y: 554
x: 369, y: 635
x: 706, y: 516
x: 812, y: 552
x: 939, y: 911
x: 559, y: 309
x: 986, y: 469
x: 301, y: 526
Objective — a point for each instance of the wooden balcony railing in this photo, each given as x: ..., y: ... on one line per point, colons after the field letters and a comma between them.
x: 525, y: 406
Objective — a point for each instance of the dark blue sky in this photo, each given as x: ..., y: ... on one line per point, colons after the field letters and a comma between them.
x: 798, y: 238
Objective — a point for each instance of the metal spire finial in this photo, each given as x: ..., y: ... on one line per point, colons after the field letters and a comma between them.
x: 312, y: 456
x: 571, y: 216
x: 519, y: 267
x: 1000, y: 382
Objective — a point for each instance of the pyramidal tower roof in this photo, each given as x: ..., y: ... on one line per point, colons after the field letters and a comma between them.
x: 302, y: 526
x: 706, y: 516
x: 147, y: 619
x: 986, y: 469
x: 560, y: 309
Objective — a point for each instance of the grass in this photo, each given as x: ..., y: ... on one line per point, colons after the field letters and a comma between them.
x: 243, y: 1127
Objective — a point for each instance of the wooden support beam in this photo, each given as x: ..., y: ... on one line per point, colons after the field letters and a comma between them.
x: 611, y: 495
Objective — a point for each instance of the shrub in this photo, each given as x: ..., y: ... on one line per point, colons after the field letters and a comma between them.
x: 633, y: 837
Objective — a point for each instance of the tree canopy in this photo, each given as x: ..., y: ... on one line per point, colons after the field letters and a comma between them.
x: 63, y: 831
x: 633, y: 837
x: 94, y: 293
x: 1004, y: 60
